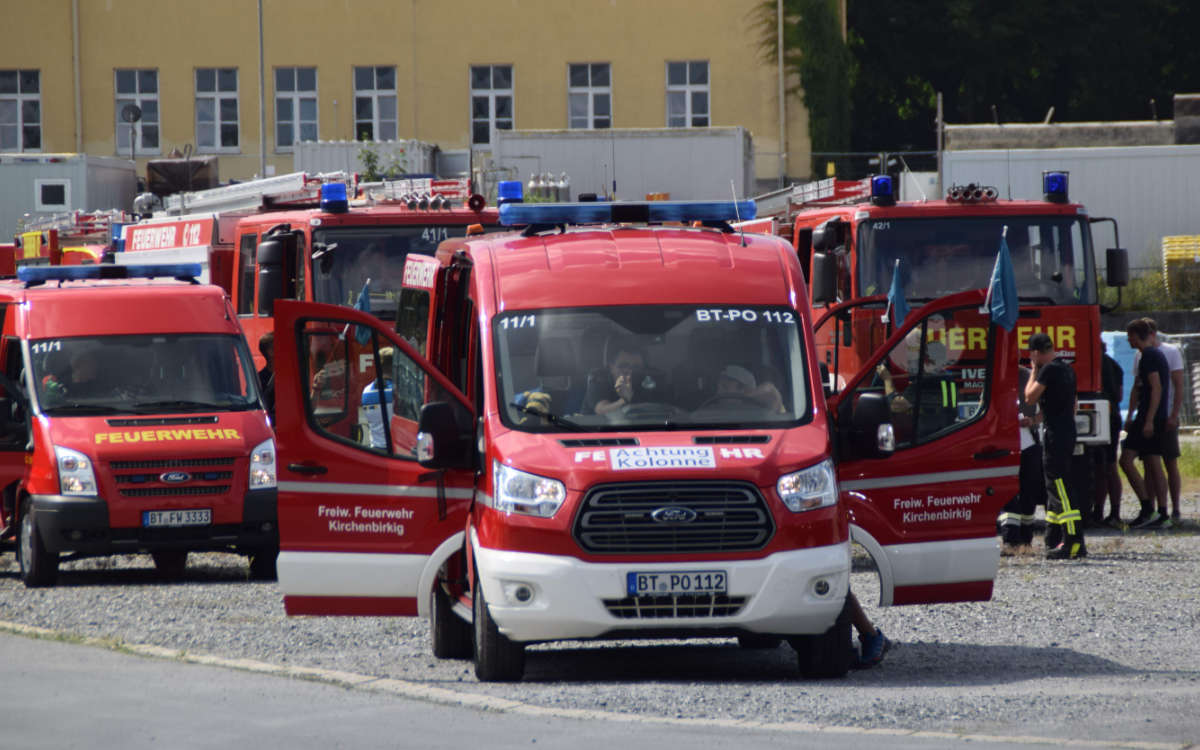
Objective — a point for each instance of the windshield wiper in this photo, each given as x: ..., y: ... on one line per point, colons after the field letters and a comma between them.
x: 550, y: 417
x: 177, y: 404
x: 79, y: 408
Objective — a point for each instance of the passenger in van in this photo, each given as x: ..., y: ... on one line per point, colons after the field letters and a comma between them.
x: 737, y: 381
x: 932, y: 389
x: 81, y: 381
x: 615, y: 387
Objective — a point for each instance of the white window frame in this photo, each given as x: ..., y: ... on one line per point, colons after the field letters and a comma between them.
x: 689, y: 89
x: 590, y: 92
x: 491, y: 93
x: 376, y: 95
x: 296, y: 96
x: 39, y: 183
x: 20, y: 98
x: 215, y: 98
x: 139, y: 98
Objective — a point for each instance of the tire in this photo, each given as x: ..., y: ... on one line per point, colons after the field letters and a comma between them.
x: 827, y: 655
x: 262, y: 565
x: 497, y: 659
x: 450, y: 636
x: 39, y: 566
x: 759, y: 640
x: 170, y: 563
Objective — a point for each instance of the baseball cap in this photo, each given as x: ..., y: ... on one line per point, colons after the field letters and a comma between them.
x: 740, y: 375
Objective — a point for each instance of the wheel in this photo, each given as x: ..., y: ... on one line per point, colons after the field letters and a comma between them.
x: 170, y: 563
x: 759, y: 640
x: 826, y: 655
x: 262, y: 564
x: 449, y: 635
x: 39, y: 567
x: 497, y: 659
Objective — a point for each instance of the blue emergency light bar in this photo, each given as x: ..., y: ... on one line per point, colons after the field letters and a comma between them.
x: 883, y: 192
x: 641, y: 212
x: 42, y: 274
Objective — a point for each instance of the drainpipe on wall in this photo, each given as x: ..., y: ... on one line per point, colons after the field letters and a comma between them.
x: 782, y: 101
x: 262, y: 100
x: 75, y: 64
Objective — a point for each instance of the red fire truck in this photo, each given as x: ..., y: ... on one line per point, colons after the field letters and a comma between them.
x: 130, y: 421
x: 854, y: 239
x: 611, y: 425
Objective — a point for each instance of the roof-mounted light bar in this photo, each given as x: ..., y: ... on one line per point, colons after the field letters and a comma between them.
x: 43, y: 274
x: 647, y: 212
x: 971, y: 193
x: 1054, y: 186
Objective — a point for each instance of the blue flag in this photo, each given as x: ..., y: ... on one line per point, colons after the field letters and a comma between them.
x: 1003, y: 303
x: 896, y: 297
x: 362, y: 333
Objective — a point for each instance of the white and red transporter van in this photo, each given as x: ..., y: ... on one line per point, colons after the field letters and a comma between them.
x: 509, y: 512
x: 130, y: 421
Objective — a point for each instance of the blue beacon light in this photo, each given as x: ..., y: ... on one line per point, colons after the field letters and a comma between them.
x: 333, y: 198
x: 510, y: 191
x: 1054, y: 186
x: 883, y: 191
x: 41, y: 274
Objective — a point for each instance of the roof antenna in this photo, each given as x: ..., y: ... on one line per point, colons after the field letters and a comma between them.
x: 913, y: 177
x: 737, y: 212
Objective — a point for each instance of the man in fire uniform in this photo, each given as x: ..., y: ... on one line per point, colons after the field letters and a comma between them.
x: 1053, y: 388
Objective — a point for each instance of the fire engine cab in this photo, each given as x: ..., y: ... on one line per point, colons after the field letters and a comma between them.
x: 611, y: 424
x: 130, y: 421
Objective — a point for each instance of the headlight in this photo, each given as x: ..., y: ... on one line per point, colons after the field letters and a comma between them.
x: 517, y: 491
x: 807, y: 489
x: 75, y: 475
x: 262, y: 465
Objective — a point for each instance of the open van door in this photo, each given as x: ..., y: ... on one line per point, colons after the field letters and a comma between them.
x: 927, y: 512
x: 363, y: 526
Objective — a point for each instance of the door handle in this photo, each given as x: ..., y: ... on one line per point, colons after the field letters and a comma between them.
x: 308, y: 468
x: 991, y: 454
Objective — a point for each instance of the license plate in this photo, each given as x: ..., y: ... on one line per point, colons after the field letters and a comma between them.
x: 189, y: 517
x: 668, y: 583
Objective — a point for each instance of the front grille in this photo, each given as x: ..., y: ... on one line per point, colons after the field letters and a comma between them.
x: 720, y: 517
x: 678, y: 605
x: 731, y: 439
x: 597, y: 442
x: 160, y: 421
x: 200, y: 476
x: 168, y: 491
x: 171, y: 463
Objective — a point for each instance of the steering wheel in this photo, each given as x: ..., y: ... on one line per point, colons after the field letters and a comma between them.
x: 732, y: 399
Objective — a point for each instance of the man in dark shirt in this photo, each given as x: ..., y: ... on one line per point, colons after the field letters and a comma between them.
x: 266, y: 376
x: 1052, y: 387
x: 1107, y: 479
x: 1146, y: 429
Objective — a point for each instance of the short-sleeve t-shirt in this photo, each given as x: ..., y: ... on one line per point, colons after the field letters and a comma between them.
x: 1058, y: 400
x: 1153, y: 360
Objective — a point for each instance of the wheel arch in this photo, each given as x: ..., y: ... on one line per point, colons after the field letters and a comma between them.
x: 883, y: 564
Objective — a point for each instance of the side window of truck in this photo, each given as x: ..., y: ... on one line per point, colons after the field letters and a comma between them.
x: 936, y: 379
x: 246, y: 260
x: 14, y: 432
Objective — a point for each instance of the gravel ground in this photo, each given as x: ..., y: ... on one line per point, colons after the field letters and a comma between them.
x: 1103, y: 649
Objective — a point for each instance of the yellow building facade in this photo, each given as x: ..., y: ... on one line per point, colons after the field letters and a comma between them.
x: 440, y: 72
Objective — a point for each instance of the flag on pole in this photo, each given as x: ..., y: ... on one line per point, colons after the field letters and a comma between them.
x: 362, y: 333
x: 896, y: 302
x: 1002, y: 301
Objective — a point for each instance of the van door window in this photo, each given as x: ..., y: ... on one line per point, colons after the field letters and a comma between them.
x: 14, y: 431
x: 936, y: 378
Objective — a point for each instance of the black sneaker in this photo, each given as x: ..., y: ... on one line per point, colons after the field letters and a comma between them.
x: 1153, y: 521
x: 1067, y: 551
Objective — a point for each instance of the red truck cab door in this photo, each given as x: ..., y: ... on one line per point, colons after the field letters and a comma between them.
x: 927, y: 513
x: 363, y: 527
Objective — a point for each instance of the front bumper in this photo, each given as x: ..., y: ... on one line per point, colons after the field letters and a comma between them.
x: 81, y: 525
x: 576, y: 599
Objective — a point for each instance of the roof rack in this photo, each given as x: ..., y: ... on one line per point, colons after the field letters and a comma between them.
x: 80, y: 225
x: 295, y: 190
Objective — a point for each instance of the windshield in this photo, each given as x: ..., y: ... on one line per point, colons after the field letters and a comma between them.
x: 1051, y: 255
x: 651, y: 367
x: 143, y: 374
x: 348, y: 259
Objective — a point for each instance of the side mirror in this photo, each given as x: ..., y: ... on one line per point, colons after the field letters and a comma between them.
x: 1117, y: 262
x: 824, y: 278
x: 441, y: 442
x: 273, y: 252
x: 871, y: 427
x: 829, y: 235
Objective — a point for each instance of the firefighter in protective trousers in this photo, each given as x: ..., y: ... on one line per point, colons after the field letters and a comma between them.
x: 1053, y: 388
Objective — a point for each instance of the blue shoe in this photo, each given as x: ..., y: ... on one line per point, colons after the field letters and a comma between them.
x: 872, y: 649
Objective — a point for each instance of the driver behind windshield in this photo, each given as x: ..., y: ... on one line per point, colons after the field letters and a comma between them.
x: 615, y: 387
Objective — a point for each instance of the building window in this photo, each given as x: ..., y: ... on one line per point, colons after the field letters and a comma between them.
x: 52, y: 195
x: 491, y: 101
x: 295, y: 106
x: 138, y: 88
x: 375, y: 103
x: 20, y: 110
x: 217, y: 109
x: 589, y: 95
x: 687, y: 94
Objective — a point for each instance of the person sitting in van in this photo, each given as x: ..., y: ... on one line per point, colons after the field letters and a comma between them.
x: 81, y: 379
x: 738, y: 382
x: 620, y: 384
